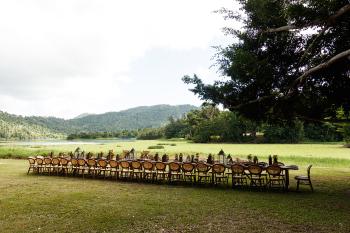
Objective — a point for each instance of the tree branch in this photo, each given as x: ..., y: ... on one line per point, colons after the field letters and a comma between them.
x: 333, y: 121
x: 283, y: 28
x: 329, y: 21
x: 340, y: 12
x: 321, y: 66
x: 263, y: 98
x: 312, y: 44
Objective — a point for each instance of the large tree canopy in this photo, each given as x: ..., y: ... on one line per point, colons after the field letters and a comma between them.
x: 290, y: 60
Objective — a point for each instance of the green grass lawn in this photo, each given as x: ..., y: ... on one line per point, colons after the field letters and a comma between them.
x: 64, y: 204
x: 37, y: 203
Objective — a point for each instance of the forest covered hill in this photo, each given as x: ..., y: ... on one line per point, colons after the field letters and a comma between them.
x: 19, y: 127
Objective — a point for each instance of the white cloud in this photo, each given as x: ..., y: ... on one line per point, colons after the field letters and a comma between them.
x: 65, y: 57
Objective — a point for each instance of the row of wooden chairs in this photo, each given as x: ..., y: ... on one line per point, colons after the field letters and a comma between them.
x: 120, y: 169
x: 202, y: 173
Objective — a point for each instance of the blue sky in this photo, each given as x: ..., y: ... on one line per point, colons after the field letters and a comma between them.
x: 66, y: 57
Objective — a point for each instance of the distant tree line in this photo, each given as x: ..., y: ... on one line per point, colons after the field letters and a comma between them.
x: 209, y: 124
x: 206, y: 124
x: 97, y: 135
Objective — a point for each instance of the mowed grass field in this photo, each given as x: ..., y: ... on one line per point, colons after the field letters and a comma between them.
x: 33, y: 203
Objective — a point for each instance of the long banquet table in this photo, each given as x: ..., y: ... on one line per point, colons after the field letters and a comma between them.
x: 285, y: 168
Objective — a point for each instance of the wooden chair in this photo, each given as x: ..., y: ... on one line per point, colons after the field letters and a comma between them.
x: 275, y: 177
x: 47, y: 165
x: 114, y: 168
x: 161, y: 174
x: 280, y: 164
x: 32, y: 165
x: 220, y: 177
x: 92, y: 167
x: 55, y: 166
x: 74, y: 166
x: 82, y: 167
x: 103, y: 167
x: 125, y: 170
x: 203, y: 174
x: 64, y: 166
x: 255, y: 176
x: 148, y: 171
x: 175, y: 173
x: 239, y: 178
x: 40, y: 164
x: 189, y: 172
x: 136, y: 168
x: 306, y: 180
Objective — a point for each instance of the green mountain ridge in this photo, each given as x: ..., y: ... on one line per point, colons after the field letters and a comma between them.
x: 33, y: 127
x: 83, y: 115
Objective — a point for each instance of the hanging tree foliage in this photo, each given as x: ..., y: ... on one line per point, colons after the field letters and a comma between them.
x: 292, y: 60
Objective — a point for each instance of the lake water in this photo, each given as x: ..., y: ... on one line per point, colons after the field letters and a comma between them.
x: 64, y: 142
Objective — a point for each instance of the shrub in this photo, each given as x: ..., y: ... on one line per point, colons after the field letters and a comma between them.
x: 150, y: 134
x: 156, y: 147
x: 346, y: 135
x: 166, y: 144
x: 285, y: 133
x: 322, y: 132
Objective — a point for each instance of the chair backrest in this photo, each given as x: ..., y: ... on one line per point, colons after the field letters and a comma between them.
x: 31, y: 160
x: 308, y: 170
x: 148, y: 166
x: 55, y: 161
x: 135, y: 165
x: 273, y: 170
x: 64, y: 161
x: 40, y: 160
x: 74, y: 162
x: 124, y: 164
x: 160, y: 166
x: 47, y: 160
x: 218, y: 168
x: 91, y: 162
x: 174, y: 167
x: 187, y: 167
x: 102, y: 163
x: 113, y: 163
x: 255, y: 169
x: 237, y: 168
x: 202, y: 167
x: 81, y: 162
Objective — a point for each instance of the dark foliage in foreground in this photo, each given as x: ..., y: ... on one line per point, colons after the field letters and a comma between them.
x: 274, y: 72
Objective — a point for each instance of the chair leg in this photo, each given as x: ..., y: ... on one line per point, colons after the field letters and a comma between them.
x: 312, y: 189
x: 298, y: 185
